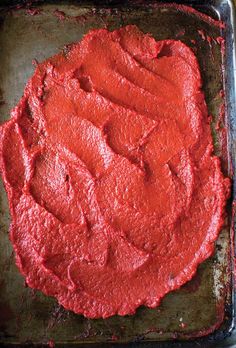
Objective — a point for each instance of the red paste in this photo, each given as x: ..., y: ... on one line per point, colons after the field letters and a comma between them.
x: 114, y: 191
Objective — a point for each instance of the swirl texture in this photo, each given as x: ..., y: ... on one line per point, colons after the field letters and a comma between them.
x: 114, y: 191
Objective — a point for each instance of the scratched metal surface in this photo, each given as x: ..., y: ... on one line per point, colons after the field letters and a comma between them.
x: 199, y: 306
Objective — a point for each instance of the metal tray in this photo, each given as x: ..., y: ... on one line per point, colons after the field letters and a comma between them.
x: 201, y: 312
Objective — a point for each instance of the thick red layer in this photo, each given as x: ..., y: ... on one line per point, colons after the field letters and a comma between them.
x: 114, y: 193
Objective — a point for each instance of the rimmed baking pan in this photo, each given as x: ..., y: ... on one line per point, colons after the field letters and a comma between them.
x: 201, y: 313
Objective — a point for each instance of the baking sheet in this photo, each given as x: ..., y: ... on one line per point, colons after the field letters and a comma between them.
x: 199, y: 307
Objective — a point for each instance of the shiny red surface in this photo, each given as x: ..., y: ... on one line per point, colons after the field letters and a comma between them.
x: 115, y: 194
